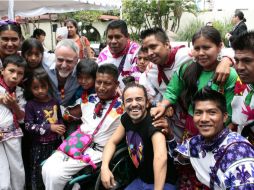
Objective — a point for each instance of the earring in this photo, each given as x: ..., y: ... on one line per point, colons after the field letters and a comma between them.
x: 194, y: 59
x: 219, y: 57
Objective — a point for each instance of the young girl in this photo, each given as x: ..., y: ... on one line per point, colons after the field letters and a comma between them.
x: 43, y: 121
x: 32, y: 50
x: 192, y: 77
x: 86, y: 74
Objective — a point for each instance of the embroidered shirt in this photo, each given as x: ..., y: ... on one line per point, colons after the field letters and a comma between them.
x: 236, y: 167
x: 6, y: 117
x: 242, y: 110
x: 89, y: 122
x: 105, y: 56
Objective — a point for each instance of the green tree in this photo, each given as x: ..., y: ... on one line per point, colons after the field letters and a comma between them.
x: 147, y: 13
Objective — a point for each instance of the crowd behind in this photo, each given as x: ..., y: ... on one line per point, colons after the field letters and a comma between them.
x: 181, y: 111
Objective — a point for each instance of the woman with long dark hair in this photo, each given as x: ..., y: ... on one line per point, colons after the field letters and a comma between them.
x: 82, y: 42
x: 10, y: 38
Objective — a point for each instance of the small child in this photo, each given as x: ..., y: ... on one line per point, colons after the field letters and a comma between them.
x: 140, y: 66
x: 12, y: 103
x: 86, y: 74
x: 43, y: 120
x: 32, y: 50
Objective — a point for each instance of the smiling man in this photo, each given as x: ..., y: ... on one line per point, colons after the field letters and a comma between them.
x: 101, y: 113
x: 221, y: 159
x: 146, y: 144
x: 61, y: 68
x: 243, y: 101
x: 119, y: 51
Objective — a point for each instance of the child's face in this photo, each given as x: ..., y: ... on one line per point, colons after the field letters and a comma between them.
x: 40, y: 90
x: 13, y: 75
x: 86, y: 81
x: 142, y: 61
x: 33, y: 58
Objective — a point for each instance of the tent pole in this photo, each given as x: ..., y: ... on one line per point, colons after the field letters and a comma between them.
x: 10, y: 10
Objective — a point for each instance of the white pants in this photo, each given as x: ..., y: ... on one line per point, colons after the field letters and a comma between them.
x: 12, y: 174
x: 59, y: 168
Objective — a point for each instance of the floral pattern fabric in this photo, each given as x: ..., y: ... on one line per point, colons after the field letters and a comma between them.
x: 107, y: 57
x: 242, y: 105
x: 236, y: 168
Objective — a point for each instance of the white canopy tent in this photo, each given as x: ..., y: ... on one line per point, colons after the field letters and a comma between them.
x: 31, y: 8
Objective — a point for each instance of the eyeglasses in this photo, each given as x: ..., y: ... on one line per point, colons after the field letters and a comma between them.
x: 68, y: 61
x: 6, y: 22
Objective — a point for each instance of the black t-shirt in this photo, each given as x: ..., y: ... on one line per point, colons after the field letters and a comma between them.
x: 139, y: 141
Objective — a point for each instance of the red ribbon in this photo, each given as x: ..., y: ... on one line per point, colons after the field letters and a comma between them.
x: 10, y: 91
x: 123, y: 52
x: 171, y: 60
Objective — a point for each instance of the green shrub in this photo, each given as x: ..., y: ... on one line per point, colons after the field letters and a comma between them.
x: 186, y: 33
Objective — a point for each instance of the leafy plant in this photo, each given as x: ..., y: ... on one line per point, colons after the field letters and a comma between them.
x: 223, y: 27
x: 189, y: 30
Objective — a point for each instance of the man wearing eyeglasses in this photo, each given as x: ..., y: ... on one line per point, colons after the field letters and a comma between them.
x: 61, y: 69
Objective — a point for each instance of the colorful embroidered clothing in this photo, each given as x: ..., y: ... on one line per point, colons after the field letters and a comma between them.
x: 243, y: 105
x: 135, y: 72
x: 82, y: 43
x: 6, y: 120
x: 64, y: 166
x: 225, y: 163
x: 106, y: 56
x: 139, y: 141
x: 89, y: 122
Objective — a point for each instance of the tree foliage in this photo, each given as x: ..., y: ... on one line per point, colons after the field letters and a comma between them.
x: 147, y: 13
x: 88, y: 16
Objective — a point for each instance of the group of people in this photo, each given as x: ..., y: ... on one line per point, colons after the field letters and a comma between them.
x: 171, y: 104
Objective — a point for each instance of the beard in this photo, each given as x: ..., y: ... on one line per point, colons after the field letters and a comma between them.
x: 64, y: 74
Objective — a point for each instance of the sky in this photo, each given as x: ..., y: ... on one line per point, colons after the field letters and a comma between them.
x: 233, y: 4
x: 227, y: 4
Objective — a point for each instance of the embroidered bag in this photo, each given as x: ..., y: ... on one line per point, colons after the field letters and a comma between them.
x: 75, y: 144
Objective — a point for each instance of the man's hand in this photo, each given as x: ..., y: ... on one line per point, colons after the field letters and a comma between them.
x: 158, y: 111
x: 58, y: 128
x: 227, y: 36
x: 222, y: 71
x: 163, y: 124
x: 107, y: 178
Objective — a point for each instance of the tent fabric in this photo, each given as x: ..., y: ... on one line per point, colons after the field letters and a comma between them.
x: 39, y: 7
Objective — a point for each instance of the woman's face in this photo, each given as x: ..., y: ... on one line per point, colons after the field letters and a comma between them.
x: 206, y: 52
x: 9, y: 42
x: 72, y: 30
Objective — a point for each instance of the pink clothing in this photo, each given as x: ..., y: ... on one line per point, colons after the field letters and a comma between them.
x: 131, y: 57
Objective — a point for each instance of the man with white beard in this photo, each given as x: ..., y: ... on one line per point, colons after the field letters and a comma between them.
x: 61, y: 69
